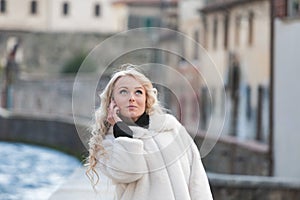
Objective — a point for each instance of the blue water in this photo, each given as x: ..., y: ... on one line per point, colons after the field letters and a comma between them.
x: 29, y: 172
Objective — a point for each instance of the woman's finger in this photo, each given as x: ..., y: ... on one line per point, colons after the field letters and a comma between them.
x: 112, y: 114
x: 112, y: 105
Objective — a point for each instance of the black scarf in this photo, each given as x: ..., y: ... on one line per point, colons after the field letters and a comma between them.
x: 121, y: 129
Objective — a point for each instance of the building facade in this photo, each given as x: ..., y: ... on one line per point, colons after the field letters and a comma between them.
x: 236, y: 36
x: 63, y: 16
x: 151, y: 13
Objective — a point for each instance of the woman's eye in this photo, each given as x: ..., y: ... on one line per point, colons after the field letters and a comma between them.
x: 123, y: 92
x: 139, y: 92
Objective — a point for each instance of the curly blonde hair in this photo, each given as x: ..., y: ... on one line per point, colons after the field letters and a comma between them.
x: 101, y: 126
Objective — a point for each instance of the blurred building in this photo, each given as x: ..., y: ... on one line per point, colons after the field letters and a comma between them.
x: 239, y: 30
x: 100, y: 16
x: 190, y: 24
x: 63, y: 16
x: 151, y: 13
x: 286, y: 90
x: 235, y: 35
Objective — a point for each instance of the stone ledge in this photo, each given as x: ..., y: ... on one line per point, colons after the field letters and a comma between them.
x: 57, y: 133
x: 252, y: 182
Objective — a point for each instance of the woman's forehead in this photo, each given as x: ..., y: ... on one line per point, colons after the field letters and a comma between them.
x: 128, y: 82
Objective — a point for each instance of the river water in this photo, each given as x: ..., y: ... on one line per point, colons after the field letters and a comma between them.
x: 29, y: 172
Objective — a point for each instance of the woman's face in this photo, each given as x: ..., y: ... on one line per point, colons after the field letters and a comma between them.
x: 130, y: 97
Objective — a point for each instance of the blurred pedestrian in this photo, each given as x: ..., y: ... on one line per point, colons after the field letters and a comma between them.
x: 146, y: 153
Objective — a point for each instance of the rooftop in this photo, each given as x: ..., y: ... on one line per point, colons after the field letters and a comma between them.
x: 147, y: 2
x: 223, y: 4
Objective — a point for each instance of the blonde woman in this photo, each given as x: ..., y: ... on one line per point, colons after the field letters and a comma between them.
x: 146, y: 153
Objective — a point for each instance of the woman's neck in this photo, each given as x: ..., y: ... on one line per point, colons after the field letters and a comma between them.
x: 142, y: 121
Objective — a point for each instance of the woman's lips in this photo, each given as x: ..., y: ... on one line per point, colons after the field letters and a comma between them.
x: 131, y: 107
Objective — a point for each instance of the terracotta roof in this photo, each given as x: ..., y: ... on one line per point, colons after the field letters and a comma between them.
x: 147, y: 2
x: 223, y: 4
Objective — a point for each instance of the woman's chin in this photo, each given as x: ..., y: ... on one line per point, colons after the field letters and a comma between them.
x: 131, y: 116
x: 127, y: 117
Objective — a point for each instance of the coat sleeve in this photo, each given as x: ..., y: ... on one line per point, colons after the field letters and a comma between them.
x: 124, y: 161
x: 198, y: 182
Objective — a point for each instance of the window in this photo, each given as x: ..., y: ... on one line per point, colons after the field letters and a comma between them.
x: 250, y: 31
x: 215, y: 33
x: 136, y: 21
x: 226, y: 24
x: 293, y: 8
x: 97, y: 10
x: 133, y: 21
x: 237, y: 29
x: 33, y: 7
x: 196, y: 47
x: 65, y: 8
x: 205, y: 27
x: 148, y: 22
x: 3, y: 6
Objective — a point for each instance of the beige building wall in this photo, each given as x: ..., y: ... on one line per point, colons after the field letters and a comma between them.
x: 214, y: 60
x: 191, y: 47
x: 254, y: 59
x: 49, y: 17
x: 81, y: 16
x: 189, y: 24
x: 18, y: 16
x: 145, y: 10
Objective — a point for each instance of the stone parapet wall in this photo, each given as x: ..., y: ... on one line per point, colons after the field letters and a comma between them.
x: 228, y: 156
x: 51, y: 95
x: 237, y: 187
x: 231, y: 156
x: 54, y: 132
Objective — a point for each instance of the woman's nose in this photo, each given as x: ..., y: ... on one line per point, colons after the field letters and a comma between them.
x: 131, y: 98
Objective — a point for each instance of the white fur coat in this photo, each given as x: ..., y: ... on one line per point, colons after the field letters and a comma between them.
x: 161, y: 162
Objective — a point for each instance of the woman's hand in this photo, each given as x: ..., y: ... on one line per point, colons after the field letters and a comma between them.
x: 113, y: 111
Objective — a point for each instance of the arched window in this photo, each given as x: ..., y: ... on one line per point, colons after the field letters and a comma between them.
x: 226, y: 27
x: 3, y: 6
x: 215, y: 33
x: 33, y: 7
x: 97, y: 10
x: 65, y: 8
x: 238, y: 20
x: 251, y: 27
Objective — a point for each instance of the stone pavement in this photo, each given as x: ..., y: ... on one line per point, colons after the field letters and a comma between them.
x: 78, y: 187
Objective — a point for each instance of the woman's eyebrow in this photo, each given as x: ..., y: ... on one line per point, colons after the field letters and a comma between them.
x: 127, y: 88
x: 121, y: 87
x: 139, y: 87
